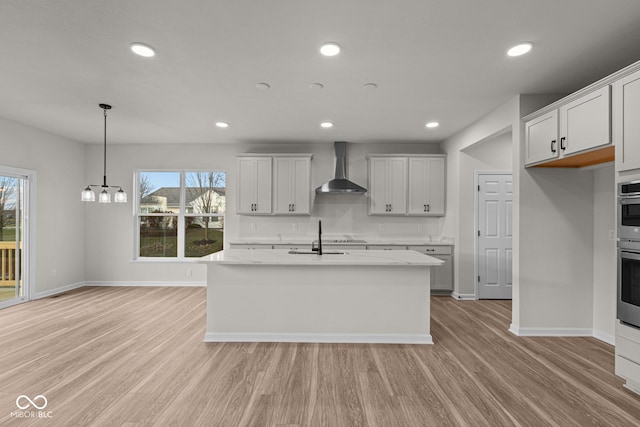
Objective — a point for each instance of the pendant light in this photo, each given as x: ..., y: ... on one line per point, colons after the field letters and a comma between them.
x: 88, y: 195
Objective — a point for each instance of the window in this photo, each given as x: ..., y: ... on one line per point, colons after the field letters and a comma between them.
x: 180, y: 214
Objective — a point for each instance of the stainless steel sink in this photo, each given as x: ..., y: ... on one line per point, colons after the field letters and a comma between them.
x: 316, y: 253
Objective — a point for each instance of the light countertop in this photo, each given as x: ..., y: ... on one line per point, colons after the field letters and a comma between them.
x: 400, y: 241
x: 351, y: 257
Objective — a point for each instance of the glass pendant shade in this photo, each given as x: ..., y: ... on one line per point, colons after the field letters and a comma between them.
x: 104, y: 197
x: 120, y: 196
x: 88, y: 195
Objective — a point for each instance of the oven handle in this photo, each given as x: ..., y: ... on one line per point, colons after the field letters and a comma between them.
x: 630, y: 200
x: 629, y: 255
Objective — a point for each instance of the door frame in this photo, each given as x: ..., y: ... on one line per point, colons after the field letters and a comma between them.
x: 476, y: 225
x: 28, y: 273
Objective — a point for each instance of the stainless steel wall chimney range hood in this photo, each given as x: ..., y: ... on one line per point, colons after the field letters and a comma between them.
x: 340, y: 184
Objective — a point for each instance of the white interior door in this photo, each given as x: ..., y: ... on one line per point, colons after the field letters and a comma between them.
x: 494, y: 234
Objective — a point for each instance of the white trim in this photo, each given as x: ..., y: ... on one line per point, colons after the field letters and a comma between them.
x: 464, y: 297
x: 319, y: 338
x: 168, y: 283
x: 609, y: 339
x: 550, y: 332
x: 51, y: 292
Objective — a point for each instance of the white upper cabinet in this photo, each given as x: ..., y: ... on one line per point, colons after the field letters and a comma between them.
x: 575, y: 127
x: 541, y: 138
x: 426, y: 186
x: 586, y: 122
x: 407, y: 185
x: 626, y: 125
x: 388, y: 185
x: 254, y: 185
x: 292, y: 185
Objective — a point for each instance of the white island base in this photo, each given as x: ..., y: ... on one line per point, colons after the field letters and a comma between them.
x: 359, y: 297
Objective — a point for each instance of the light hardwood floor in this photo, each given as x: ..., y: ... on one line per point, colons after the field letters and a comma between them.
x: 135, y: 357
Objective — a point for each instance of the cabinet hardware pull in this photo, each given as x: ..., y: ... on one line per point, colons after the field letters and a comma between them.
x: 425, y: 208
x: 553, y: 150
x: 428, y: 208
x: 293, y: 207
x: 562, y: 146
x: 390, y: 206
x: 289, y: 207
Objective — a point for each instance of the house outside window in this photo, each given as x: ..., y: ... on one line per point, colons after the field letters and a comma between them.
x: 179, y: 214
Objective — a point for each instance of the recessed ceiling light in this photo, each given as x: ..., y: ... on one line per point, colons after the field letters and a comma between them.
x: 222, y: 124
x: 520, y: 49
x: 330, y: 49
x: 142, y: 50
x: 326, y: 125
x: 432, y: 125
x: 263, y: 86
x: 370, y: 86
x: 316, y: 86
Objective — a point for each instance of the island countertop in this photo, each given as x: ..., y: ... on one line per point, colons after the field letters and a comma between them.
x: 350, y: 257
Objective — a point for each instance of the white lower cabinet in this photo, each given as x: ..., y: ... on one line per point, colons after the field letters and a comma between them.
x: 628, y: 355
x: 441, y: 276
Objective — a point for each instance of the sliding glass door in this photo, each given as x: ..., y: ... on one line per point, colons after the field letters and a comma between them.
x: 12, y: 248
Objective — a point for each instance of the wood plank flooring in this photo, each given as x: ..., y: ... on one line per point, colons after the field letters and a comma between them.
x: 135, y: 357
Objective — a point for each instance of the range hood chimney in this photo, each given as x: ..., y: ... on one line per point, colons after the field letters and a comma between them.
x: 340, y: 183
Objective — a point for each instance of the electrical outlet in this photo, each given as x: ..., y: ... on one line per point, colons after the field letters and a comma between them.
x: 294, y: 226
x: 54, y: 273
x: 189, y: 272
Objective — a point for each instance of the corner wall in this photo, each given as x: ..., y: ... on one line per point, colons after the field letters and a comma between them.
x: 60, y: 171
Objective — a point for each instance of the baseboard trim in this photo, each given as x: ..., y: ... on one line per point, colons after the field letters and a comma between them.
x: 56, y: 291
x: 463, y: 297
x: 561, y: 332
x: 609, y: 339
x: 319, y: 338
x: 141, y: 283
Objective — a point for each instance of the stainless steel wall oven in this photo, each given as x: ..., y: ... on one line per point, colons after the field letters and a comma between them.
x: 629, y: 253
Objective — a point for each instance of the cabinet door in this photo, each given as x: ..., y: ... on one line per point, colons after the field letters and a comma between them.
x: 397, y: 187
x: 246, y: 192
x: 442, y: 275
x: 626, y: 126
x: 292, y: 185
x: 426, y: 186
x: 282, y: 186
x: 586, y: 122
x: 541, y: 138
x: 378, y: 183
x: 263, y: 186
x: 301, y: 192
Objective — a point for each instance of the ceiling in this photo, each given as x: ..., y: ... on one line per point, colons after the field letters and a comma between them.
x: 440, y: 60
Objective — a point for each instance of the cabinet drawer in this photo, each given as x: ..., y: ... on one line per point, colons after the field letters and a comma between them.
x: 301, y: 247
x: 432, y: 250
x: 628, y: 332
x: 628, y: 349
x: 249, y: 246
x: 387, y: 248
x: 627, y: 369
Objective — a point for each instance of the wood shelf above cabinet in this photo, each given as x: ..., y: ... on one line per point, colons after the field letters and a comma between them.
x: 590, y: 158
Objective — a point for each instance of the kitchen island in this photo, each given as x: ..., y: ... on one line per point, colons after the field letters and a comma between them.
x: 354, y: 296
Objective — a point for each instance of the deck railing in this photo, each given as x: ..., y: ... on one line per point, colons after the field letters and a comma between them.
x: 8, y: 263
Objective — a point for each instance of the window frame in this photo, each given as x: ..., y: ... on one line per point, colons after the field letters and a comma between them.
x: 180, y: 216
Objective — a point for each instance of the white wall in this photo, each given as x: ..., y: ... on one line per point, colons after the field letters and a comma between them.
x: 604, y: 254
x: 110, y: 229
x: 60, y: 170
x: 493, y: 154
